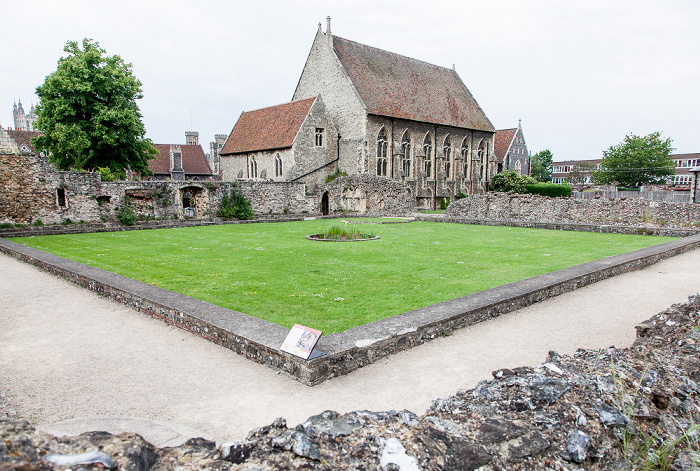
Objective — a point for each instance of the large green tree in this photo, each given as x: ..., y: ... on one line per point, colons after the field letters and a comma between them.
x: 541, y: 166
x: 88, y: 114
x: 636, y: 161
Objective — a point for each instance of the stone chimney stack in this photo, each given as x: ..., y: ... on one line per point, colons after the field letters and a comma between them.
x: 192, y: 138
x: 328, y: 29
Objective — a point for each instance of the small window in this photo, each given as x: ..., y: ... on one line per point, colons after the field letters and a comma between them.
x: 381, y: 153
x: 319, y: 137
x: 278, y: 166
x: 61, y: 197
x: 253, y: 169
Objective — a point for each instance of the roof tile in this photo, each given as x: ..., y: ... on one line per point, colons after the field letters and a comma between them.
x: 194, y: 162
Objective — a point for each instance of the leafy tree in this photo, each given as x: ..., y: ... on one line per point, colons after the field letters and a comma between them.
x: 636, y: 161
x: 508, y: 181
x: 88, y: 114
x: 541, y: 166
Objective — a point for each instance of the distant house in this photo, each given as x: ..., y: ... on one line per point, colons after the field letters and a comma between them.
x: 684, y: 163
x: 574, y: 171
x: 511, y: 150
x: 287, y: 142
x: 23, y: 140
x: 181, y: 162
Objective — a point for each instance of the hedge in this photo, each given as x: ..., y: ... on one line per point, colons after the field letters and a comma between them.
x: 548, y: 189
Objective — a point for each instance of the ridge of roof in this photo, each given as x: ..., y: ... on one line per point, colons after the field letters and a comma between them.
x: 272, y: 127
x: 194, y: 162
x: 399, y: 86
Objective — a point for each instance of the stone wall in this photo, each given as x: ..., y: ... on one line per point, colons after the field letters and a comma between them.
x: 369, y: 195
x: 634, y: 211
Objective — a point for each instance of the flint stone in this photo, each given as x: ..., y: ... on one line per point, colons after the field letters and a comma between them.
x: 577, y: 447
x: 453, y: 453
x: 90, y: 457
x: 330, y: 423
x: 548, y: 390
x: 526, y: 445
x: 394, y: 457
x: 236, y: 452
x: 611, y: 416
x: 298, y: 443
x: 495, y: 431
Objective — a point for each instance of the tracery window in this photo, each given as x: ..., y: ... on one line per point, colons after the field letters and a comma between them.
x: 427, y: 149
x: 278, y: 166
x: 481, y: 154
x: 381, y: 153
x: 447, y: 150
x: 319, y: 137
x: 518, y: 167
x: 406, y: 155
x: 465, y: 156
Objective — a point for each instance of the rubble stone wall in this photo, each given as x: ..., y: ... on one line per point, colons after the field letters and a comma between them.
x: 369, y: 195
x: 519, y: 207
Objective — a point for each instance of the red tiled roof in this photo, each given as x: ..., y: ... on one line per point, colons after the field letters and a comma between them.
x: 400, y: 87
x: 23, y: 138
x: 502, y: 142
x: 194, y: 162
x: 268, y: 128
x: 684, y: 156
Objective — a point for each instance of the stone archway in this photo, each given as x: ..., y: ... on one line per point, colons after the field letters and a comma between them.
x: 193, y: 199
x: 325, y: 204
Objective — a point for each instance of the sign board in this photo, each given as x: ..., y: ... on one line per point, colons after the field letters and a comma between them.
x: 301, y: 341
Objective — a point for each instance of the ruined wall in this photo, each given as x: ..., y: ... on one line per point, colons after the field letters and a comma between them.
x: 368, y: 194
x: 278, y: 197
x: 634, y: 211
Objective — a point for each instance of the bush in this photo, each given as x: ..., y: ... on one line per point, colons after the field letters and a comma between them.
x: 508, y: 181
x: 38, y: 223
x: 125, y: 215
x: 106, y: 174
x: 460, y: 195
x: 549, y: 189
x: 444, y: 203
x: 333, y: 176
x: 234, y: 206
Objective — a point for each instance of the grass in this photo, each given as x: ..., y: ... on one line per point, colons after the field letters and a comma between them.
x: 269, y: 270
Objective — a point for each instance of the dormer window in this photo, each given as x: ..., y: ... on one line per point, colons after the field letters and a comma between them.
x: 319, y: 137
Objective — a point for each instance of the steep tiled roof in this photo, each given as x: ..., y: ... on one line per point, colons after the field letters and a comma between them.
x: 268, y: 128
x: 23, y: 138
x: 502, y: 142
x: 194, y: 162
x: 400, y: 87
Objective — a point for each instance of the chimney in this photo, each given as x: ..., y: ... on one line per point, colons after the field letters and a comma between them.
x: 328, y: 29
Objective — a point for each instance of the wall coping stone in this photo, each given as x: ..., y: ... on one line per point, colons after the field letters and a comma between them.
x: 259, y: 340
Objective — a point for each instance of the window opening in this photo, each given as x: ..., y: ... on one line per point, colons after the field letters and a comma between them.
x: 381, y: 153
x: 319, y: 137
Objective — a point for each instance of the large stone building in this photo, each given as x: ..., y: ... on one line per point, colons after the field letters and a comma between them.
x: 511, y: 150
x: 396, y: 117
x: 23, y: 121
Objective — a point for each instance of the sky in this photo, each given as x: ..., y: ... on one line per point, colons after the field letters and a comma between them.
x: 579, y: 74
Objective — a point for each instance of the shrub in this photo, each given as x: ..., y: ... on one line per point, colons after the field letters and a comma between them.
x: 444, y: 203
x: 460, y: 195
x: 106, y: 174
x: 339, y: 232
x: 38, y: 223
x: 549, y: 189
x: 234, y: 206
x: 126, y: 215
x: 333, y: 176
x: 508, y: 181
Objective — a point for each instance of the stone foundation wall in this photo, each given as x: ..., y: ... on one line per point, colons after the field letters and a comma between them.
x: 634, y: 211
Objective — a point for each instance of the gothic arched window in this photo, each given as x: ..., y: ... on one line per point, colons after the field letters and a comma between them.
x: 253, y: 168
x: 278, y: 166
x: 381, y: 153
x: 481, y: 154
x: 406, y: 155
x: 427, y: 149
x: 447, y: 150
x: 465, y: 156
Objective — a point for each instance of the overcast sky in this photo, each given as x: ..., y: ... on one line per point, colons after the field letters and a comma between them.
x: 581, y: 75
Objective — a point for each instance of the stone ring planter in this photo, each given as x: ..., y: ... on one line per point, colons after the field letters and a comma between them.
x: 318, y: 238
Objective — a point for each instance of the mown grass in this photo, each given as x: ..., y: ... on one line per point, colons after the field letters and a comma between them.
x: 272, y: 272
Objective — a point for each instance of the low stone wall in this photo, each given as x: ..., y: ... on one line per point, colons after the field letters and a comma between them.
x: 347, y: 351
x: 613, y: 409
x: 632, y: 211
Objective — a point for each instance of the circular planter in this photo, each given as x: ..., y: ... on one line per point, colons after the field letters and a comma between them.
x: 317, y: 237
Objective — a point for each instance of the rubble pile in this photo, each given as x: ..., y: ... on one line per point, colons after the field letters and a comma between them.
x: 613, y: 409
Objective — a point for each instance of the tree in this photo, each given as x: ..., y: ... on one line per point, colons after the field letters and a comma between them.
x: 580, y: 172
x: 636, y: 161
x: 541, y: 166
x: 88, y: 115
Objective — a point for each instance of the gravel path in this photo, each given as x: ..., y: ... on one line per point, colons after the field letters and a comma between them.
x: 67, y: 353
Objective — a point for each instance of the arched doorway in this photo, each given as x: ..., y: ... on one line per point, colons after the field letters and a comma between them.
x: 325, y: 204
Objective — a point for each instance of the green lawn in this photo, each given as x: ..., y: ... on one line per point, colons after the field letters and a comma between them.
x: 271, y: 271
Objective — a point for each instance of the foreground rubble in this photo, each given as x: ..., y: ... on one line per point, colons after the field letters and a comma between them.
x: 614, y: 409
